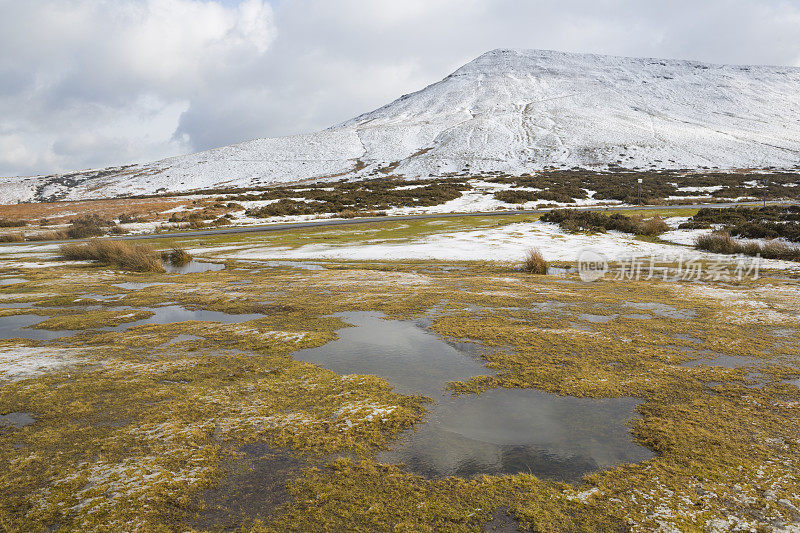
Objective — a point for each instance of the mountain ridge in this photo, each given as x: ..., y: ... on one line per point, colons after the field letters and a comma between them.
x: 511, y: 111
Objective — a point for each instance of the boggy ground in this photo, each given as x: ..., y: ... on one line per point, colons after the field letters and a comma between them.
x: 156, y: 427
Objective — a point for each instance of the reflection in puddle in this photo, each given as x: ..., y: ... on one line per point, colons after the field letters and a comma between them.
x: 506, y: 431
x: 501, y: 431
x: 17, y: 327
x: 414, y: 361
x: 193, y: 267
x: 175, y: 313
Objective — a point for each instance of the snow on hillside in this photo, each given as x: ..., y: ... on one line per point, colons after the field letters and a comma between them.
x: 508, y: 110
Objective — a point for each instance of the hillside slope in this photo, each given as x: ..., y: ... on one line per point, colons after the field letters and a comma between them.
x: 508, y: 110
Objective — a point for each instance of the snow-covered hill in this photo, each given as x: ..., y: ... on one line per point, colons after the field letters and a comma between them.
x: 508, y: 110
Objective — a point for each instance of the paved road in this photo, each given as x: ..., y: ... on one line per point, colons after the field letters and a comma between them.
x: 346, y: 222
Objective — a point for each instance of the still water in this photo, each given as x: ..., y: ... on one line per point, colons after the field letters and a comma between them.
x: 501, y: 431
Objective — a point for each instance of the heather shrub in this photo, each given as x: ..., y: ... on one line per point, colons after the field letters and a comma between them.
x: 723, y: 243
x: 88, y: 226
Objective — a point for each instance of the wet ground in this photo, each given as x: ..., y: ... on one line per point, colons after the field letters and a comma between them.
x: 501, y: 431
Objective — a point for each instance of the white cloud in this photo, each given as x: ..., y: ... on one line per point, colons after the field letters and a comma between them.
x: 91, y: 83
x: 95, y: 82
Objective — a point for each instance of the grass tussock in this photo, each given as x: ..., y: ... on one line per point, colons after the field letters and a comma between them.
x: 119, y: 254
x: 12, y: 237
x: 723, y: 243
x: 534, y: 262
x: 176, y: 257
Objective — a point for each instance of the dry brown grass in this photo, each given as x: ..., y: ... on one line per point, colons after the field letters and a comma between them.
x: 652, y: 226
x: 176, y: 257
x: 12, y: 237
x: 120, y: 254
x: 534, y: 262
x: 51, y: 235
x: 62, y: 212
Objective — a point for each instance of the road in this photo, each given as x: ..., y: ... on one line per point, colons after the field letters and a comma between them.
x: 366, y: 220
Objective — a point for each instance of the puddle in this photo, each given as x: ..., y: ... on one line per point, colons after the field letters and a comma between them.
x: 169, y: 314
x: 636, y: 316
x: 505, y: 431
x: 411, y: 359
x: 135, y: 285
x: 193, y: 267
x: 17, y: 327
x: 500, y: 431
x: 16, y: 420
x: 12, y: 281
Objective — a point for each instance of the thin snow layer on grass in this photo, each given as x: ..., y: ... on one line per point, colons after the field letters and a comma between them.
x: 507, y: 243
x: 28, y: 249
x: 481, y: 200
x: 686, y: 237
x: 21, y: 362
x: 138, y: 228
x: 241, y: 219
x: 769, y: 303
x: 40, y: 264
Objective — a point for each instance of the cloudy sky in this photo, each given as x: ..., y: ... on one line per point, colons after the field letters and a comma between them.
x: 92, y: 83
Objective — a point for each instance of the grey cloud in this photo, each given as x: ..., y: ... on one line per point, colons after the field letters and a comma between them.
x: 91, y: 83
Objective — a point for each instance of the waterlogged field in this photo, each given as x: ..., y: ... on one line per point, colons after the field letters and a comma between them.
x: 335, y: 393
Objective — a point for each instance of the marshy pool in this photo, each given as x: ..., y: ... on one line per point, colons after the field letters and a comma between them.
x: 22, y: 326
x: 501, y: 431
